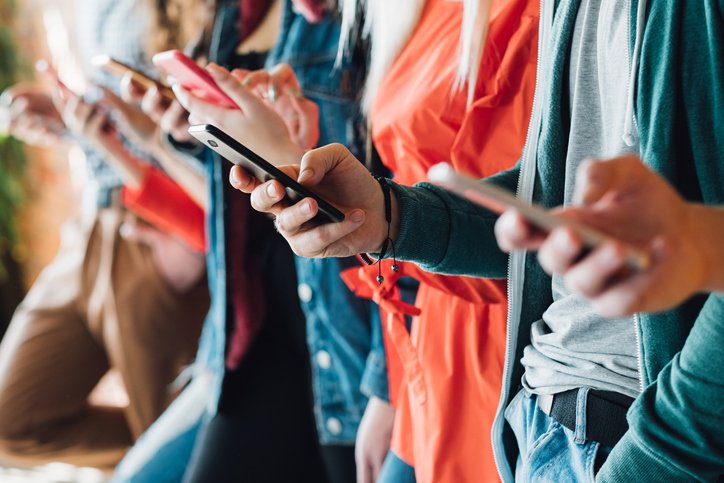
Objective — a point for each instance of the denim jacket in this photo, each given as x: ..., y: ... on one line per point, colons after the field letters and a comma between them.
x: 164, y: 450
x: 344, y: 333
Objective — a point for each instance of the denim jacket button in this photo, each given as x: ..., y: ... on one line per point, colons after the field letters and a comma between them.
x: 324, y: 360
x: 334, y: 426
x: 305, y: 292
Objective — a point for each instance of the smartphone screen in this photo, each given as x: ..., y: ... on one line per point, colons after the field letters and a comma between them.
x: 263, y: 170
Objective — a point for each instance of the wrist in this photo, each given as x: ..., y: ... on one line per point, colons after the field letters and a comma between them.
x: 708, y: 228
x: 395, y: 215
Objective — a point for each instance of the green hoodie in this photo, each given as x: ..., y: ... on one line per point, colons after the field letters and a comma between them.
x: 679, y: 107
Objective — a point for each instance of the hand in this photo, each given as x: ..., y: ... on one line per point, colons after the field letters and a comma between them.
x: 30, y: 115
x: 335, y: 175
x: 92, y: 122
x: 280, y: 87
x: 132, y: 122
x: 625, y: 200
x: 254, y: 124
x: 373, y: 439
x: 89, y: 121
x: 170, y: 117
x: 177, y: 263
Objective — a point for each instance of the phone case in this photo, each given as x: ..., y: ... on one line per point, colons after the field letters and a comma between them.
x: 192, y: 77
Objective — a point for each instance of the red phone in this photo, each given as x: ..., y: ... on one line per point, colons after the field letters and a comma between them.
x: 192, y: 77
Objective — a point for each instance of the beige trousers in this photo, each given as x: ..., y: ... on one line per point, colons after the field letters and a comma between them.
x: 100, y: 304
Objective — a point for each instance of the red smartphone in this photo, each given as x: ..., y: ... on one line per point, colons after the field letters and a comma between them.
x: 192, y: 77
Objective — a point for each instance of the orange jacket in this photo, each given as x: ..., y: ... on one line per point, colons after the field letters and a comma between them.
x: 448, y: 369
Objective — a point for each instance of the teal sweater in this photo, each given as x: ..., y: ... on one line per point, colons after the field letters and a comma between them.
x: 677, y: 425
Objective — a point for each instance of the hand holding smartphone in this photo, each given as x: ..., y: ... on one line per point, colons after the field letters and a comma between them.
x: 263, y: 170
x: 192, y: 77
x: 499, y: 200
x: 120, y: 69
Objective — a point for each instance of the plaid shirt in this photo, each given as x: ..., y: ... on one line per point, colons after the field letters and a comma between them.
x: 118, y: 28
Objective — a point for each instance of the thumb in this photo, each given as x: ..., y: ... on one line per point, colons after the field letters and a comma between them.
x: 233, y: 88
x: 318, y: 162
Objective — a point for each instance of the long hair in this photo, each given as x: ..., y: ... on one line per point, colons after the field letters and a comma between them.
x: 388, y: 24
x: 175, y: 23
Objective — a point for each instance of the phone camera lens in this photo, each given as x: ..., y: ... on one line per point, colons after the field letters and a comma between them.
x: 213, y: 144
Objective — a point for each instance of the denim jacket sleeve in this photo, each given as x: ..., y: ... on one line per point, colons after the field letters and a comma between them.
x: 374, y: 378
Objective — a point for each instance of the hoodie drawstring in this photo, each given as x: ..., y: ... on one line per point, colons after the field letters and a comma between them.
x: 628, y: 130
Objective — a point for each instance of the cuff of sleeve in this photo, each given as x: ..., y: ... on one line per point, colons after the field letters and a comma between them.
x: 424, y: 221
x: 631, y: 461
x: 374, y: 379
x: 161, y: 202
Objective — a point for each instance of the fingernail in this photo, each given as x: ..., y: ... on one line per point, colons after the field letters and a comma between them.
x: 562, y: 237
x: 357, y: 216
x: 234, y: 178
x: 306, y: 174
x: 273, y: 93
x: 246, y: 81
x: 307, y: 208
x: 611, y: 253
x: 271, y: 190
x: 177, y: 90
x: 213, y: 69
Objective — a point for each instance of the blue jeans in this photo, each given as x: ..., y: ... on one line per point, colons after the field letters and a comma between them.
x: 394, y: 470
x: 548, y: 451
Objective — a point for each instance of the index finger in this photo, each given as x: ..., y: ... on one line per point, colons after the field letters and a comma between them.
x: 202, y: 110
x: 131, y: 91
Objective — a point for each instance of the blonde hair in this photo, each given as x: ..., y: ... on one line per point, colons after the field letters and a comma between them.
x: 389, y: 24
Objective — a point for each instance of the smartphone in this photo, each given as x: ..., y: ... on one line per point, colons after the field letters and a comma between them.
x: 263, y: 170
x: 115, y: 67
x: 192, y: 77
x: 499, y: 200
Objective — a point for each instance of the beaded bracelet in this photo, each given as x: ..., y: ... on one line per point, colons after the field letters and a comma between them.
x: 388, y: 243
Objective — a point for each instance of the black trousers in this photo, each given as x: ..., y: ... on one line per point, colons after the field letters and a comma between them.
x: 264, y: 431
x: 339, y: 463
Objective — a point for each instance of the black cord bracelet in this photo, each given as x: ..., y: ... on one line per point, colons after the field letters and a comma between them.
x: 387, y: 243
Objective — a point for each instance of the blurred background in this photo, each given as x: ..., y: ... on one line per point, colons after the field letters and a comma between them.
x: 36, y: 193
x: 36, y: 190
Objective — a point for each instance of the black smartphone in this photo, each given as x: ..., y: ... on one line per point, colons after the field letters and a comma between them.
x: 263, y: 170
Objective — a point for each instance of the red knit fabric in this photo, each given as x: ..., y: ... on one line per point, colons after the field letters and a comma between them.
x: 163, y: 203
x: 245, y: 280
x: 252, y: 12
